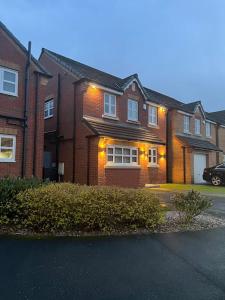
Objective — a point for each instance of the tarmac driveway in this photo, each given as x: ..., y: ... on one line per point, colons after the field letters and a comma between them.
x: 183, y: 266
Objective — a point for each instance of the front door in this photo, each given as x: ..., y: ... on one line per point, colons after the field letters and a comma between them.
x: 199, y: 166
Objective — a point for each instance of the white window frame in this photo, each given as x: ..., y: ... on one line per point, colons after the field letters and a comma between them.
x: 208, y: 129
x: 153, y: 115
x: 2, y: 80
x: 132, y: 114
x: 113, y: 154
x: 153, y: 155
x: 47, y: 108
x: 186, y: 124
x: 197, y: 126
x: 13, y: 148
x: 111, y: 105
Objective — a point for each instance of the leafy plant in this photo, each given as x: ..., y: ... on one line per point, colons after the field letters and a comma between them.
x: 191, y: 204
x: 66, y: 207
x: 9, y: 188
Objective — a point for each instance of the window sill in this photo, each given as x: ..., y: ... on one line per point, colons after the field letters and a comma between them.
x: 208, y: 137
x: 7, y: 161
x: 134, y: 122
x: 8, y: 94
x: 187, y: 132
x: 153, y: 166
x: 153, y: 125
x: 48, y: 117
x: 198, y: 134
x: 122, y: 167
x: 110, y: 117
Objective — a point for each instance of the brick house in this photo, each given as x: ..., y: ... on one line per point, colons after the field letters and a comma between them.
x: 195, y: 141
x: 101, y: 129
x: 22, y: 90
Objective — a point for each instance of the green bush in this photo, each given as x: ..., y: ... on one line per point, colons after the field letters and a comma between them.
x: 69, y: 207
x: 9, y: 188
x: 191, y: 204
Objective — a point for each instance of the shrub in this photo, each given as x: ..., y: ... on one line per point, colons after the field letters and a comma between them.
x: 66, y: 207
x: 191, y: 204
x: 9, y: 188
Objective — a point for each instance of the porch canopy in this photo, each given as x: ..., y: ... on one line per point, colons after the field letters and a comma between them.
x: 122, y: 131
x: 198, y: 143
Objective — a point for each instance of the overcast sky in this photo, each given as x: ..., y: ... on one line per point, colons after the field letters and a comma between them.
x: 176, y: 46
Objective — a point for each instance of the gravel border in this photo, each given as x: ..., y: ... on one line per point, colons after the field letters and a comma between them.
x: 172, y: 224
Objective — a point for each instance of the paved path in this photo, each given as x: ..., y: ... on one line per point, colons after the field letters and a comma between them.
x: 159, y: 266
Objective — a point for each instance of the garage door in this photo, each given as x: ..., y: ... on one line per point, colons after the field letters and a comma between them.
x: 199, y: 166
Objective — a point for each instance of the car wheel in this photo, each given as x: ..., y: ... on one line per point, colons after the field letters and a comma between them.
x: 216, y: 180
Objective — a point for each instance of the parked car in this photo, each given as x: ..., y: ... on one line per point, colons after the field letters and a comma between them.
x: 215, y: 175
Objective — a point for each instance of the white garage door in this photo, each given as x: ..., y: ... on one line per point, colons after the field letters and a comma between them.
x: 199, y: 166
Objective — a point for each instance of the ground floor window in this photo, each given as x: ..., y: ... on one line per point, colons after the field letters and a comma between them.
x: 7, y: 148
x: 152, y: 156
x: 122, y: 155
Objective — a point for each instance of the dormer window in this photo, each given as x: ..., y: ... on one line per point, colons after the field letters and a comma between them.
x: 197, y: 126
x: 153, y: 115
x: 132, y: 110
x: 186, y: 124
x: 109, y: 105
x: 8, y: 82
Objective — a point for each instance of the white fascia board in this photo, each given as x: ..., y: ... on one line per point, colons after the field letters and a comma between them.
x: 184, y: 113
x: 102, y: 87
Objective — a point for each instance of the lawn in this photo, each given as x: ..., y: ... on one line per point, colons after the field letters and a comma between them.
x: 187, y: 187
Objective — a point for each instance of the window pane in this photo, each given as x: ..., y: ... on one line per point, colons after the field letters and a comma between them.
x: 9, y: 76
x: 126, y: 159
x: 9, y: 87
x: 134, y: 152
x: 6, y: 154
x: 110, y: 150
x: 134, y: 159
x: 118, y: 150
x: 126, y: 151
x: 118, y: 159
x: 110, y: 158
x: 6, y: 142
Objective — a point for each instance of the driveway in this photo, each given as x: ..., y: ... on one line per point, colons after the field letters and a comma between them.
x: 183, y: 266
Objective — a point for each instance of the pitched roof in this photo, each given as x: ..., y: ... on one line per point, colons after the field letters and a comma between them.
x: 86, y: 72
x: 218, y: 116
x: 40, y: 68
x: 198, y: 143
x: 124, y: 131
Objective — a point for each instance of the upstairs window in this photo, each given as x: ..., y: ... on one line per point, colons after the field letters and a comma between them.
x: 132, y: 110
x: 208, y: 129
x: 152, y: 156
x: 152, y: 115
x: 186, y: 124
x: 119, y: 155
x: 7, y: 148
x: 197, y: 126
x: 49, y: 107
x: 109, y: 105
x: 8, y: 82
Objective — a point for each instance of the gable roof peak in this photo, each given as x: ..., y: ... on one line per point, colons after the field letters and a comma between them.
x: 37, y: 64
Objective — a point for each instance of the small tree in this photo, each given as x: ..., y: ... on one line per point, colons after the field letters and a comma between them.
x: 191, y: 204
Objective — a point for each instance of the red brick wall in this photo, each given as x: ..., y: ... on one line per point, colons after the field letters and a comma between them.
x: 11, y: 56
x: 90, y: 101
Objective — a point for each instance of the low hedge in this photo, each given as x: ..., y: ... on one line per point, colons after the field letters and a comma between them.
x: 69, y: 207
x: 10, y: 187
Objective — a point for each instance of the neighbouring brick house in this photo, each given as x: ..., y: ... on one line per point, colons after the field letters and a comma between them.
x: 22, y: 90
x: 101, y: 129
x: 196, y: 140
